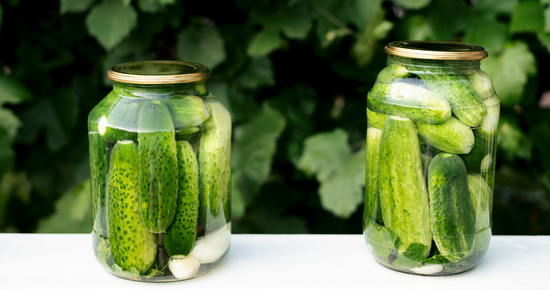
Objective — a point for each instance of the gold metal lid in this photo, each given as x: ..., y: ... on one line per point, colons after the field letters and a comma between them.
x: 158, y: 72
x: 440, y: 50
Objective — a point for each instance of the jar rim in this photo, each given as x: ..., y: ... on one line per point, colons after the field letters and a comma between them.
x: 438, y: 50
x: 156, y: 72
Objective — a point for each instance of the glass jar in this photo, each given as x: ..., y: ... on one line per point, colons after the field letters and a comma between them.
x: 432, y: 119
x: 160, y: 147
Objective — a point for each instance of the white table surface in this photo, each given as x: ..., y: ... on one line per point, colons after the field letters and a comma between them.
x: 66, y: 261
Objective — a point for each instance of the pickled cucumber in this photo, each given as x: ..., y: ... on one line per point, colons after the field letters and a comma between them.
x: 158, y: 167
x: 131, y: 244
x: 215, y: 167
x: 180, y: 236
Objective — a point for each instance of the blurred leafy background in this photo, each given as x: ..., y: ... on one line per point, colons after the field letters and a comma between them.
x: 294, y: 75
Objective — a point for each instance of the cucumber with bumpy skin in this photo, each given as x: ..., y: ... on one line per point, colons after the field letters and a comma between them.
x: 180, y: 236
x: 457, y: 90
x: 476, y: 161
x: 158, y: 166
x: 408, y: 101
x: 215, y: 167
x: 99, y: 175
x: 482, y: 84
x: 451, y: 213
x: 403, y: 193
x: 375, y: 120
x: 372, y: 210
x: 131, y: 244
x: 480, y: 194
x: 121, y: 121
x: 187, y: 111
x: 451, y: 136
x: 488, y: 127
x: 391, y: 73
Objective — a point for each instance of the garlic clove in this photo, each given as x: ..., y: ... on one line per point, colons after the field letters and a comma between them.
x: 430, y: 269
x: 212, y: 247
x: 184, y: 267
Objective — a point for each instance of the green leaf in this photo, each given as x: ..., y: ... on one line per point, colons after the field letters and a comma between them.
x: 512, y: 141
x: 9, y: 122
x: 325, y: 153
x: 366, y: 44
x: 149, y: 6
x: 111, y: 21
x: 201, y: 44
x: 255, y: 144
x: 447, y: 18
x: 238, y: 205
x: 343, y: 191
x: 490, y: 34
x: 527, y: 17
x: 12, y: 91
x: 7, y: 154
x: 132, y: 274
x: 126, y: 2
x: 269, y: 222
x: 258, y: 73
x: 509, y: 71
x: 494, y: 7
x: 413, y: 4
x: 56, y: 115
x: 72, y: 212
x: 417, y: 28
x: 264, y: 42
x: 547, y: 19
x: 164, y: 2
x: 74, y: 5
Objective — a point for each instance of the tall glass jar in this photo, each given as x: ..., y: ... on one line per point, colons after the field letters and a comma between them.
x: 432, y: 118
x: 160, y: 147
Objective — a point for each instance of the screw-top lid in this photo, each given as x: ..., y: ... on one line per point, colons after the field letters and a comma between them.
x: 440, y: 50
x: 158, y: 72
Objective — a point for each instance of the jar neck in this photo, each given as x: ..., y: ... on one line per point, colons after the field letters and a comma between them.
x: 159, y: 91
x: 463, y: 66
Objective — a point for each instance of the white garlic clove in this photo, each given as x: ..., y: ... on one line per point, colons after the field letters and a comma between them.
x: 184, y: 267
x: 430, y: 269
x: 212, y: 247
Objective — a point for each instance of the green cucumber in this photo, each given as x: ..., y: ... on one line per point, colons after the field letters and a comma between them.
x: 451, y: 213
x: 372, y: 210
x: 457, y: 90
x: 488, y: 127
x: 403, y: 193
x: 482, y: 84
x: 391, y: 73
x: 215, y: 167
x: 451, y: 136
x: 479, y: 159
x: 99, y: 175
x: 131, y: 244
x: 480, y: 194
x: 375, y: 120
x: 187, y: 111
x: 121, y: 122
x: 158, y: 166
x: 180, y: 236
x: 408, y: 101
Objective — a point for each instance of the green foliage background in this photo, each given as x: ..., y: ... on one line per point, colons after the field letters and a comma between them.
x: 294, y: 75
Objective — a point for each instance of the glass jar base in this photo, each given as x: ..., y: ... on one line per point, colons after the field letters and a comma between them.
x: 429, y: 270
x: 203, y: 270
